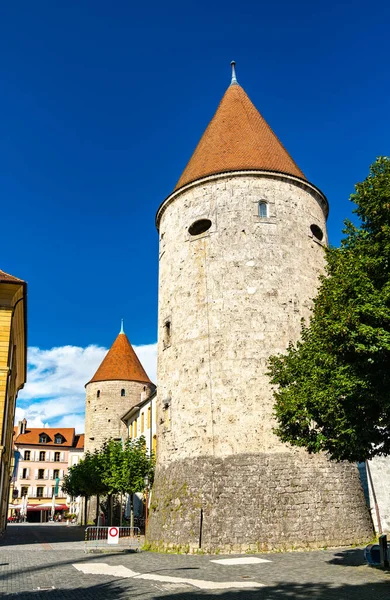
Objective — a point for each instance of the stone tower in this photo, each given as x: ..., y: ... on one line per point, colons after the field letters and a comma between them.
x: 242, y: 241
x: 119, y: 384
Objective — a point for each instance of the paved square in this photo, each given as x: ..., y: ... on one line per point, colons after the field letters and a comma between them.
x: 48, y: 561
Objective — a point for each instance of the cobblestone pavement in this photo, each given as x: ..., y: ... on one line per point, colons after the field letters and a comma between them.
x: 36, y: 558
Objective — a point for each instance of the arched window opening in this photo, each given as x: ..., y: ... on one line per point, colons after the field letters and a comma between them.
x: 98, y: 394
x: 263, y: 209
x: 123, y: 392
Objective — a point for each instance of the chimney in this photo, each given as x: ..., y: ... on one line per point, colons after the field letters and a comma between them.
x: 20, y: 427
x: 24, y: 426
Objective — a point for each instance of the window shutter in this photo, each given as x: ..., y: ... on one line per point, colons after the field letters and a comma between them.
x: 21, y: 474
x: 51, y: 474
x: 62, y: 456
x: 32, y: 491
x: 46, y: 474
x: 61, y: 474
x: 28, y: 474
x: 37, y: 455
x: 36, y: 473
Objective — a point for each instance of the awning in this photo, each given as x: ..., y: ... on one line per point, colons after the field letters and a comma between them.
x: 36, y: 507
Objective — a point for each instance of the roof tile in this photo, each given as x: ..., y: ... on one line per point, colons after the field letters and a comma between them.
x: 237, y: 138
x: 121, y: 363
x: 7, y: 278
x: 31, y: 436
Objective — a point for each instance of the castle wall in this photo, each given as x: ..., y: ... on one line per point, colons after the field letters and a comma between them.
x: 232, y: 297
x: 257, y: 503
x: 103, y: 414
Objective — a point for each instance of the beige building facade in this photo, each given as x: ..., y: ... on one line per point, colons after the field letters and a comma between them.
x: 141, y: 421
x: 13, y: 365
x: 242, y: 242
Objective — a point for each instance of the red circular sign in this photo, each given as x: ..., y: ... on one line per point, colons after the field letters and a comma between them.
x: 113, y: 531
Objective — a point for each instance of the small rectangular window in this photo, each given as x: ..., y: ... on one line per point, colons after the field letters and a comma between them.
x: 24, y: 491
x: 27, y: 454
x: 42, y: 455
x: 167, y: 414
x: 40, y: 492
x: 149, y: 417
x: 24, y: 474
x: 142, y: 422
x: 135, y: 428
x: 41, y: 473
x: 57, y: 456
x: 167, y: 334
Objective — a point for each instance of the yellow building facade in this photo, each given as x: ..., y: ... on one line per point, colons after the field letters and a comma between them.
x: 13, y: 367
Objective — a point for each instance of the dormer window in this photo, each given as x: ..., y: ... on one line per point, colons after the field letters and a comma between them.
x: 58, y: 439
x: 42, y: 438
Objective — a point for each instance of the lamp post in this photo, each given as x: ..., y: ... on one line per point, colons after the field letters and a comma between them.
x: 146, y: 482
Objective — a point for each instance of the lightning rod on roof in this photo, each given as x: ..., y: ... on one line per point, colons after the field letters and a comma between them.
x: 234, y: 78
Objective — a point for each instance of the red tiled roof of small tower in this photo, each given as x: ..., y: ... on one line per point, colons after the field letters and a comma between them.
x: 237, y: 139
x: 121, y: 363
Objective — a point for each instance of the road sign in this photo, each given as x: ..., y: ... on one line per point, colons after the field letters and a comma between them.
x: 113, y: 535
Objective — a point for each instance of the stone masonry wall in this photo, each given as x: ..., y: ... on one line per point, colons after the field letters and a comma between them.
x: 232, y: 297
x: 258, y: 502
x: 103, y: 414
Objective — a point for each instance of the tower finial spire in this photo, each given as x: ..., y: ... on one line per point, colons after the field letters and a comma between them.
x: 122, y: 331
x: 234, y: 78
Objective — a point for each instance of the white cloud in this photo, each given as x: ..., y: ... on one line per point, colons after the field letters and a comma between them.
x: 54, y: 393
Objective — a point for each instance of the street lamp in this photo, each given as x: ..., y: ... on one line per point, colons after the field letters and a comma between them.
x: 146, y: 482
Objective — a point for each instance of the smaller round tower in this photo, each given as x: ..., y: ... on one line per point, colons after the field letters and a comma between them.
x: 119, y: 384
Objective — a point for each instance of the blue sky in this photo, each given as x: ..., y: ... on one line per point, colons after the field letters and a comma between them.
x: 102, y: 104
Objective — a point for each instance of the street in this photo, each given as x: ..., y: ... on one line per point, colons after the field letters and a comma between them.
x: 48, y: 561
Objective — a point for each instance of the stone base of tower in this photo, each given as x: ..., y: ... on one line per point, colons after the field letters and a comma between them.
x: 257, y: 503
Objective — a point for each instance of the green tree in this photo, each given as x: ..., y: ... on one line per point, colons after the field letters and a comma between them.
x: 332, y: 388
x: 111, y: 470
x: 86, y: 479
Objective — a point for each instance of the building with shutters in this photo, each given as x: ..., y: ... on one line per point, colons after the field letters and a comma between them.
x: 42, y: 458
x: 141, y: 420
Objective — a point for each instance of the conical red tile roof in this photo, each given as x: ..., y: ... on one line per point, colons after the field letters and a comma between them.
x: 237, y: 138
x: 121, y: 363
